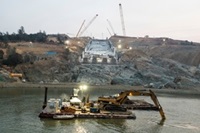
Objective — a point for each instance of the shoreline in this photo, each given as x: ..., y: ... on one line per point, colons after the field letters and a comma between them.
x: 166, y: 91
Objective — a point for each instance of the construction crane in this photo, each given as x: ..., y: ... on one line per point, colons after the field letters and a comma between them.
x: 88, y: 25
x: 122, y: 19
x: 80, y: 28
x: 109, y: 32
x: 111, y: 26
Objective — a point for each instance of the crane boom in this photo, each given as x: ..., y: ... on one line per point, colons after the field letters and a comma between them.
x: 80, y: 28
x: 109, y: 32
x: 88, y: 25
x: 122, y: 19
x: 111, y: 26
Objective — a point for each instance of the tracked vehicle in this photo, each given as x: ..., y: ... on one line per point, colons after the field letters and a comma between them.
x: 99, y: 52
x: 120, y: 102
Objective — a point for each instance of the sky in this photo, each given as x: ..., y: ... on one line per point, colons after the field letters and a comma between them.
x: 176, y: 19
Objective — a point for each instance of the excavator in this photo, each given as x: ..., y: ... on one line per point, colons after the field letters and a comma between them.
x: 115, y: 102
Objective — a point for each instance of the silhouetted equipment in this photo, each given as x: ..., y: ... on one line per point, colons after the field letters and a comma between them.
x: 45, y: 98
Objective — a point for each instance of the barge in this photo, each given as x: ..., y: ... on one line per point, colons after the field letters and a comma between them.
x: 78, y: 114
x: 118, y: 107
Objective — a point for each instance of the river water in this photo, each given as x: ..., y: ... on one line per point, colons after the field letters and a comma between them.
x: 20, y: 107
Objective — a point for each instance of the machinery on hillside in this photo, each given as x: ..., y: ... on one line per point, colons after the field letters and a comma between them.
x: 122, y: 19
x: 79, y: 41
x: 116, y: 102
x: 99, y: 52
x: 18, y: 75
x: 113, y: 32
x: 86, y: 27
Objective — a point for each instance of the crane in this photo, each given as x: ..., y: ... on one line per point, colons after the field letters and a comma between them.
x: 122, y: 19
x: 109, y: 32
x: 111, y: 26
x: 80, y: 28
x: 88, y: 25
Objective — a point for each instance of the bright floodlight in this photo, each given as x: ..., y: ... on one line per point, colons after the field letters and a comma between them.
x: 119, y: 46
x: 83, y: 87
x: 67, y: 42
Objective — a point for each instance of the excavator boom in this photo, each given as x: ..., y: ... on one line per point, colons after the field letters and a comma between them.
x: 123, y: 96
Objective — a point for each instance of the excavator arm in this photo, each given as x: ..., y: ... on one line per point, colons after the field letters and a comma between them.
x: 123, y: 96
x: 157, y: 104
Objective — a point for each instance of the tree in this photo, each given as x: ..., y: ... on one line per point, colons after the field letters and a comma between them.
x: 22, y: 35
x: 13, y: 60
x: 21, y: 31
x: 10, y: 50
x: 40, y: 37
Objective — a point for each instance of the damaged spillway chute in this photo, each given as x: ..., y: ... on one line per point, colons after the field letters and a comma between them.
x: 99, y: 52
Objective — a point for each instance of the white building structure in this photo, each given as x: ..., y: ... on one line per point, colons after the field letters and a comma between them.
x: 99, y: 51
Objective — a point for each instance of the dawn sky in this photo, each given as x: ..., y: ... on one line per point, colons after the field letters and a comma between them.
x: 177, y: 19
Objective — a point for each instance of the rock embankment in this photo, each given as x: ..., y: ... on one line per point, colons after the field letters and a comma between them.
x: 150, y: 64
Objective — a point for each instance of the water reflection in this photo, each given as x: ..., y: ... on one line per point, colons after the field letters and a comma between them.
x: 20, y: 108
x: 111, y: 122
x: 161, y: 122
x: 155, y: 129
x: 116, y: 125
x: 80, y: 127
x: 54, y: 123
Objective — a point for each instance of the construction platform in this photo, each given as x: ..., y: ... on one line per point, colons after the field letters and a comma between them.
x: 101, y: 115
x: 117, y: 106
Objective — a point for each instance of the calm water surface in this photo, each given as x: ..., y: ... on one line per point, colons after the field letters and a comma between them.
x: 19, y: 109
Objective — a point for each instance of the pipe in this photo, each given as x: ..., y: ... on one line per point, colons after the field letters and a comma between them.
x: 45, y: 98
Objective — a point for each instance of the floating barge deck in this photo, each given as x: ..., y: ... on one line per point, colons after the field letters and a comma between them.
x: 112, y: 107
x: 101, y: 115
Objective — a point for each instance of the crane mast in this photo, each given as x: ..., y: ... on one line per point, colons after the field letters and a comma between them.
x: 77, y: 35
x: 109, y: 32
x: 122, y: 19
x: 111, y: 26
x: 88, y: 25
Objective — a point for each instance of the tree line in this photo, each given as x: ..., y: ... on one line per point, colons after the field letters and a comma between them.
x: 23, y: 36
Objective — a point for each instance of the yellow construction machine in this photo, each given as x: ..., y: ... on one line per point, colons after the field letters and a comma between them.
x: 18, y: 75
x: 112, y: 102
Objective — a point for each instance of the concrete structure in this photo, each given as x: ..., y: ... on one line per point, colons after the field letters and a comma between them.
x: 99, y: 51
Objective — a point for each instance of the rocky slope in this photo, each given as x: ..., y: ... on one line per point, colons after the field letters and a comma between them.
x: 153, y: 62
